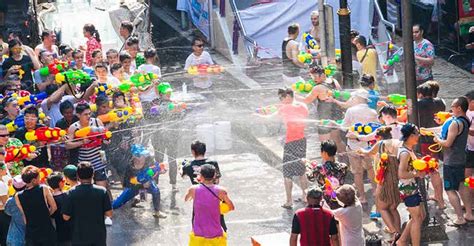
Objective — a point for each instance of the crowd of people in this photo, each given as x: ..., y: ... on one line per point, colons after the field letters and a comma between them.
x: 65, y: 141
x: 370, y: 133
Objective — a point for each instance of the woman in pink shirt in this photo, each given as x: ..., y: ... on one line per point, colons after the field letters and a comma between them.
x: 93, y: 41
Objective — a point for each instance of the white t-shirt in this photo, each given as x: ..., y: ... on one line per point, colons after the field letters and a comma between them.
x: 4, y: 187
x: 150, y: 94
x: 113, y: 81
x: 350, y: 219
x: 53, y: 112
x: 193, y: 60
x: 360, y: 113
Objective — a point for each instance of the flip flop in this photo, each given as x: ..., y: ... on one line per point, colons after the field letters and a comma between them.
x: 457, y: 225
x: 395, y: 238
x: 286, y: 206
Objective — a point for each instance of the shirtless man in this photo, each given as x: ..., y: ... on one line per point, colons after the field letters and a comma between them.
x: 314, y: 31
x: 290, y: 51
x: 48, y: 38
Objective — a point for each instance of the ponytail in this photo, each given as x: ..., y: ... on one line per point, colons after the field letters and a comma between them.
x: 96, y: 35
x: 91, y: 29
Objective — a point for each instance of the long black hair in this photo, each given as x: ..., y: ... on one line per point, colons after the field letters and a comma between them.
x: 91, y: 29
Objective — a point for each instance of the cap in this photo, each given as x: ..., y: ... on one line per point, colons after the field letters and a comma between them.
x: 70, y: 171
x: 139, y: 150
x: 164, y: 88
x: 18, y: 182
x: 361, y: 93
x: 315, y: 193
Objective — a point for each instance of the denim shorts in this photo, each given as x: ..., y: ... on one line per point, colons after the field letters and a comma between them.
x: 413, y: 200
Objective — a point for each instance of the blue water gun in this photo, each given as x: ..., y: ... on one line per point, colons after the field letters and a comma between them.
x: 17, y: 123
x: 365, y: 129
x: 146, y: 175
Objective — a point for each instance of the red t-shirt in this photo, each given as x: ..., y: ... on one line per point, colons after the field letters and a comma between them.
x: 294, y: 115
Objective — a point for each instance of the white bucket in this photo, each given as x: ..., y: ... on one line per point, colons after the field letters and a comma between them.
x: 223, y: 135
x: 205, y: 134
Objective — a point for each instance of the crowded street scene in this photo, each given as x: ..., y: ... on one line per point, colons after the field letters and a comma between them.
x: 236, y: 122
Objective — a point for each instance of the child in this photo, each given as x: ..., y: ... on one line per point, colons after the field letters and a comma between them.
x: 150, y: 94
x: 16, y: 231
x: 135, y: 180
x: 70, y: 177
x: 330, y: 168
x: 126, y: 61
x: 368, y: 82
x: 349, y: 216
x: 63, y: 228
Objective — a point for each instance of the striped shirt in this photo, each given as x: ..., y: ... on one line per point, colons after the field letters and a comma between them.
x: 91, y: 155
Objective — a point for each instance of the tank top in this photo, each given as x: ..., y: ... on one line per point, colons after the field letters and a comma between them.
x: 455, y: 155
x: 91, y: 155
x: 328, y: 110
x: 289, y: 68
x: 206, y: 212
x: 39, y: 226
x: 407, y: 187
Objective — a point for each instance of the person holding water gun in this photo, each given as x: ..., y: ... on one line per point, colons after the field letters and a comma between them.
x: 138, y: 176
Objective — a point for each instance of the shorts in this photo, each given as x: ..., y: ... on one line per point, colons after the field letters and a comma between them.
x: 100, y: 175
x: 413, y: 200
x: 469, y: 159
x: 359, y: 163
x: 453, y: 177
x: 293, y: 152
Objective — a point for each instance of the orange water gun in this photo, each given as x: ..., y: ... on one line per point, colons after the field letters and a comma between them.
x: 18, y: 153
x: 425, y: 164
x: 381, y: 167
x: 443, y: 116
x: 402, y: 113
x: 45, y: 134
x: 116, y: 115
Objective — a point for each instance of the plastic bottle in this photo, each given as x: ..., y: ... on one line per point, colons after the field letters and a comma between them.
x: 185, y: 88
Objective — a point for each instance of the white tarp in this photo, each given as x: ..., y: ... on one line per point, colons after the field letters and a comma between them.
x: 267, y: 23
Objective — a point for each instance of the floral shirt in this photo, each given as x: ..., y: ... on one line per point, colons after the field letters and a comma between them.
x: 92, y: 44
x: 424, y: 49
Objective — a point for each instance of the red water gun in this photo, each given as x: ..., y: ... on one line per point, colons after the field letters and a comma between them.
x: 18, y: 153
x: 44, y: 174
x: 45, y: 134
x: 382, y: 166
x: 54, y: 68
x: 425, y: 164
x: 95, y: 134
x: 469, y: 182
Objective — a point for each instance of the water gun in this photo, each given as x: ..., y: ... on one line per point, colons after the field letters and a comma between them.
x: 402, y: 113
x: 18, y: 153
x: 443, y: 116
x: 338, y: 54
x: 136, y: 107
x: 125, y: 87
x: 310, y: 41
x: 330, y: 70
x: 330, y: 185
x: 76, y: 77
x: 139, y: 60
x: 44, y: 173
x: 337, y: 94
x: 397, y: 99
x: 381, y: 167
x: 325, y: 122
x: 469, y: 182
x: 204, y: 69
x: 54, y: 68
x: 425, y: 164
x: 116, y: 115
x: 365, y: 129
x: 147, y: 174
x: 305, y: 57
x: 95, y: 134
x: 143, y: 81
x: 177, y: 106
x: 17, y: 123
x: 267, y: 110
x: 303, y: 87
x: 32, y: 99
x: 103, y: 89
x: 45, y: 134
x: 391, y: 61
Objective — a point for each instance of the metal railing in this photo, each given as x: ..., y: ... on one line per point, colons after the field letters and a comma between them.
x: 383, y: 20
x: 252, y: 49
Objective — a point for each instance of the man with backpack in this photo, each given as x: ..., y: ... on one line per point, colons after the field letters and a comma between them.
x: 367, y: 56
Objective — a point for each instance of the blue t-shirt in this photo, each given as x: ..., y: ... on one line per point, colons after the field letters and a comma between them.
x: 16, y: 231
x: 374, y: 97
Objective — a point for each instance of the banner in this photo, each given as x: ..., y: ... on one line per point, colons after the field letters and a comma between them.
x: 198, y: 10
